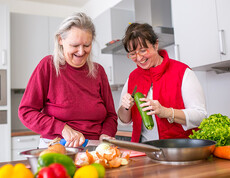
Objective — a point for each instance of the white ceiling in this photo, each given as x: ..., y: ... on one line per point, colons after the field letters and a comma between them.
x: 76, y: 3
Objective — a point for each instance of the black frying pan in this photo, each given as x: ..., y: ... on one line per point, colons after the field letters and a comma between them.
x: 171, y: 150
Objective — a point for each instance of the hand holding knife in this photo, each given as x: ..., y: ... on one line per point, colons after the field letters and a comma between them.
x: 133, y: 93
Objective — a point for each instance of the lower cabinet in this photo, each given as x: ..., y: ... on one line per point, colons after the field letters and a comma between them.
x: 23, y: 143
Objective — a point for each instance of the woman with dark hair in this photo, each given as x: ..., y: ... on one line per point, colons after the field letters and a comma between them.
x: 68, y: 95
x: 174, y: 96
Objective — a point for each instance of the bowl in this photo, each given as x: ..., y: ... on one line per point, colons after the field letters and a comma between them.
x: 32, y: 155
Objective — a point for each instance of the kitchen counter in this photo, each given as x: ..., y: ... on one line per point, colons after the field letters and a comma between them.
x: 27, y: 132
x: 145, y: 167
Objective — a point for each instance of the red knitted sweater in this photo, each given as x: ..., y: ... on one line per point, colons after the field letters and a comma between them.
x: 73, y: 98
x: 166, y: 80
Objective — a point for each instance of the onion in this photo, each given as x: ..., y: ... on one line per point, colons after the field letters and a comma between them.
x: 54, y: 147
x: 58, y: 148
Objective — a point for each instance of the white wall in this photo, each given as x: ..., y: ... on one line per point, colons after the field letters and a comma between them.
x: 216, y: 89
x: 218, y: 93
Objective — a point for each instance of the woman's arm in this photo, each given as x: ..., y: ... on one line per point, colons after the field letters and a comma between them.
x: 194, y: 101
x: 33, y: 102
x: 125, y: 105
x: 109, y: 127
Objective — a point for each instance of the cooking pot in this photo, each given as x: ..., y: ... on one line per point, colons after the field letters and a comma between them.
x: 32, y: 156
x: 175, y: 151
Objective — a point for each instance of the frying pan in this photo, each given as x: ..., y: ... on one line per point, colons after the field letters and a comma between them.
x: 171, y: 150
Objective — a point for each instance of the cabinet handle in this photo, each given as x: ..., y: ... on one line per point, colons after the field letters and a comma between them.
x: 25, y: 139
x: 3, y: 57
x: 110, y: 73
x: 177, y: 52
x: 222, y: 42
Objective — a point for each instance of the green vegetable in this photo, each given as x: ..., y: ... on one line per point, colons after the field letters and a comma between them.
x: 216, y: 127
x: 49, y: 158
x: 147, y: 119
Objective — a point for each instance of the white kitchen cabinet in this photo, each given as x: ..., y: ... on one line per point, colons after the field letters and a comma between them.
x: 31, y: 40
x: 5, y: 109
x: 23, y: 143
x: 197, y: 27
x: 224, y: 27
x: 29, y: 44
x: 111, y: 25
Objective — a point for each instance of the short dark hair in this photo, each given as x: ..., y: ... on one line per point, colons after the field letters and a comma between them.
x: 137, y: 33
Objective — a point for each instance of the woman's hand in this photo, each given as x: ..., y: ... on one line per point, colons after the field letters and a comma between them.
x: 127, y: 101
x: 73, y: 138
x: 105, y: 136
x: 154, y: 107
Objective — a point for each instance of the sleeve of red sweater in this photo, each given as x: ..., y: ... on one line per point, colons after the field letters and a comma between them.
x: 33, y: 101
x: 110, y: 123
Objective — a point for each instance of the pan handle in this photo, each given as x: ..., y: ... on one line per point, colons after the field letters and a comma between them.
x: 132, y: 146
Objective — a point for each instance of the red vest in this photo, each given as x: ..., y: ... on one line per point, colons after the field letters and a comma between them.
x: 166, y: 80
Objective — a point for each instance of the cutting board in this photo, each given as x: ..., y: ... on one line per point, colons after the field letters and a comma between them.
x: 132, y: 153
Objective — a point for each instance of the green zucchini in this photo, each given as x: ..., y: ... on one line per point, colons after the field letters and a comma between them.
x: 147, y: 119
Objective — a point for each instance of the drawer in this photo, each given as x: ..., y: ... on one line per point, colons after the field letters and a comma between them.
x: 25, y: 142
x: 16, y: 156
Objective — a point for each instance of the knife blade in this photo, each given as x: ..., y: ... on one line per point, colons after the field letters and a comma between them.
x: 133, y: 93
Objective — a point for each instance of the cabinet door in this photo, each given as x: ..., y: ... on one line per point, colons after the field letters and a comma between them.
x: 224, y: 28
x: 196, y: 31
x: 29, y: 44
x: 23, y: 143
x: 4, y: 36
x: 5, y: 123
x: 103, y: 36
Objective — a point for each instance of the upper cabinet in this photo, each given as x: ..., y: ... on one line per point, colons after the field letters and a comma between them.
x: 202, y: 32
x: 31, y: 40
x: 223, y: 14
x: 29, y: 44
x: 4, y: 38
x: 111, y: 25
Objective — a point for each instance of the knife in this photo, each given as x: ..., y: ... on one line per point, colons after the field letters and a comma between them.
x: 133, y: 93
x: 63, y: 142
x: 86, y: 143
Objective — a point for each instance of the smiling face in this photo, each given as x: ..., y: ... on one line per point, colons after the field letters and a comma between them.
x: 77, y: 46
x: 149, y: 59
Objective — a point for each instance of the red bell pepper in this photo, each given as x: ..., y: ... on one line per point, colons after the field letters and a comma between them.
x: 55, y: 170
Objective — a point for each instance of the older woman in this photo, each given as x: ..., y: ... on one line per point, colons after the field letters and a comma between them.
x: 174, y: 96
x: 68, y: 96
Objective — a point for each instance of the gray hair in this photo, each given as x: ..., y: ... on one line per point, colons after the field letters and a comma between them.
x: 81, y: 21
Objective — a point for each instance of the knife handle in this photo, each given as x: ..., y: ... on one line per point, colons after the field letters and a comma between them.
x: 63, y: 142
x: 127, y: 108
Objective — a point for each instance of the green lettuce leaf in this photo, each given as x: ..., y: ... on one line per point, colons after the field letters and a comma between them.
x: 216, y: 127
